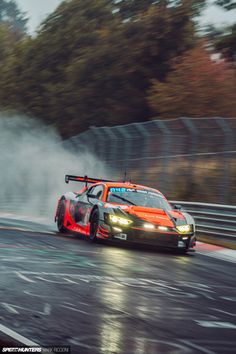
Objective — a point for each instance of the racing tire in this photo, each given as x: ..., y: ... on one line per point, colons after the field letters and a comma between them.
x: 61, y: 216
x: 183, y: 251
x: 94, y: 223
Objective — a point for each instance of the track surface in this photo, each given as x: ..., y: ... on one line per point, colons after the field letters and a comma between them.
x: 103, y: 298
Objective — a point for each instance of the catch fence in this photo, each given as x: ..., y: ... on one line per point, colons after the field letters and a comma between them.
x: 187, y: 159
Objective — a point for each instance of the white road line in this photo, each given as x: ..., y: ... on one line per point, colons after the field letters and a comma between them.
x: 216, y: 324
x: 51, y: 281
x: 87, y: 251
x: 24, y: 277
x: 79, y: 302
x: 10, y: 308
x: 225, y: 312
x: 161, y: 284
x: 76, y: 310
x: 195, y: 346
x: 23, y: 261
x: 42, y: 296
x: 70, y: 281
x: 18, y: 337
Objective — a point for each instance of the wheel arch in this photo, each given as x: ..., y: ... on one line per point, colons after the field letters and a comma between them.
x: 58, y: 206
x: 95, y: 207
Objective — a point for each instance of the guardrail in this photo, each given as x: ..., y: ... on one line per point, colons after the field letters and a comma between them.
x: 216, y: 220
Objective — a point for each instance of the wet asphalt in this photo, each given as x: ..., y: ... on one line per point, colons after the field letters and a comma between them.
x: 113, y: 298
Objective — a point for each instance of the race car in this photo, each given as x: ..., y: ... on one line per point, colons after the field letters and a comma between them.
x: 124, y: 211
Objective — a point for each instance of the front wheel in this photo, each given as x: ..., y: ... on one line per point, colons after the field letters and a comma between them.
x: 182, y: 251
x: 94, y: 226
x: 61, y: 216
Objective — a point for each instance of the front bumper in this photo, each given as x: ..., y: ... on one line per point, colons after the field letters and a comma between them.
x: 159, y: 239
x: 168, y: 240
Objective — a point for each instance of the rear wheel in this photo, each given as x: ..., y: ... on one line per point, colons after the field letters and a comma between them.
x: 94, y: 226
x: 61, y: 216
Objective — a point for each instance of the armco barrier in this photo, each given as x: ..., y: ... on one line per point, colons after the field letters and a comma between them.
x: 216, y: 220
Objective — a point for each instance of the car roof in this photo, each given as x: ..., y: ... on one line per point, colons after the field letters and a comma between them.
x: 128, y: 185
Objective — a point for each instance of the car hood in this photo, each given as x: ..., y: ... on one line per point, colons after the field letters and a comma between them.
x: 154, y: 216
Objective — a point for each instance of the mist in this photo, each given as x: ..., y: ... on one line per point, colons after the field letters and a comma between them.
x: 33, y: 164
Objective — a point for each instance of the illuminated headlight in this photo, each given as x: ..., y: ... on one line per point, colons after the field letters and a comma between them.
x: 163, y: 228
x: 117, y: 229
x: 118, y: 220
x: 184, y: 229
x: 149, y: 226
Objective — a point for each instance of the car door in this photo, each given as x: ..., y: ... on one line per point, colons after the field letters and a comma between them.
x: 86, y: 202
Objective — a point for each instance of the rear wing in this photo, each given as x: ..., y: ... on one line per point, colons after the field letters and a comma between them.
x: 85, y: 179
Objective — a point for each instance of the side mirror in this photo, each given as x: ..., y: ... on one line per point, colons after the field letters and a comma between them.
x: 177, y: 207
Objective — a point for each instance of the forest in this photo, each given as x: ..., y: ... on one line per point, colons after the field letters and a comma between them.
x: 109, y: 62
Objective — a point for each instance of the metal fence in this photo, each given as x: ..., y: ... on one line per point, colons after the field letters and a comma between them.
x: 187, y: 159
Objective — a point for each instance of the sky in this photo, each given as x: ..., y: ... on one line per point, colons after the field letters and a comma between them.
x: 37, y: 11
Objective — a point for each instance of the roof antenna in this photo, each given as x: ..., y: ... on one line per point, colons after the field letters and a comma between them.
x: 125, y: 176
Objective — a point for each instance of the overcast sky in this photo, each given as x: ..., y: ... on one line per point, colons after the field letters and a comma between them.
x: 37, y: 11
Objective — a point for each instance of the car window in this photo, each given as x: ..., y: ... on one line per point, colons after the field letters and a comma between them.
x: 140, y: 197
x: 83, y: 196
x: 97, y: 191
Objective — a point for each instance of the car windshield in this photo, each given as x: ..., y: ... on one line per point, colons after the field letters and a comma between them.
x: 140, y: 197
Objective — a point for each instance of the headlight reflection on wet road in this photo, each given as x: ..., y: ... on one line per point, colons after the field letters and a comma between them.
x: 114, y: 296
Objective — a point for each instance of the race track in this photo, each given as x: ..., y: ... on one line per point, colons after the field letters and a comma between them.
x: 112, y: 298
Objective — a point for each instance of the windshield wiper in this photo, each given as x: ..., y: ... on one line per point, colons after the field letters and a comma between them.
x: 124, y: 199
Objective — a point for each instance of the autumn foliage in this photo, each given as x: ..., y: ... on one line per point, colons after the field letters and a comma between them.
x: 199, y: 85
x: 106, y: 62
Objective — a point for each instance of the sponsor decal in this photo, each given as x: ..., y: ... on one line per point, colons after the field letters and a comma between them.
x: 121, y: 236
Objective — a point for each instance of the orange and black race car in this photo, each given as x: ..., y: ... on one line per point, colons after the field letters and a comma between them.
x: 124, y: 211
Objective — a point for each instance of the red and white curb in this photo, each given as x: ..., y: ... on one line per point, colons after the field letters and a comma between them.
x: 217, y: 252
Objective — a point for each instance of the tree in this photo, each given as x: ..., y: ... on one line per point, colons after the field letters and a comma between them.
x: 90, y: 66
x: 226, y: 43
x: 226, y: 4
x: 131, y: 9
x: 224, y: 39
x: 196, y: 87
x: 12, y: 16
x: 8, y: 39
x: 12, y: 32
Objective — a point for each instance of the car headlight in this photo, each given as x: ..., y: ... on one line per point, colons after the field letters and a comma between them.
x: 149, y: 226
x: 184, y: 229
x: 118, y: 220
x: 163, y: 228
